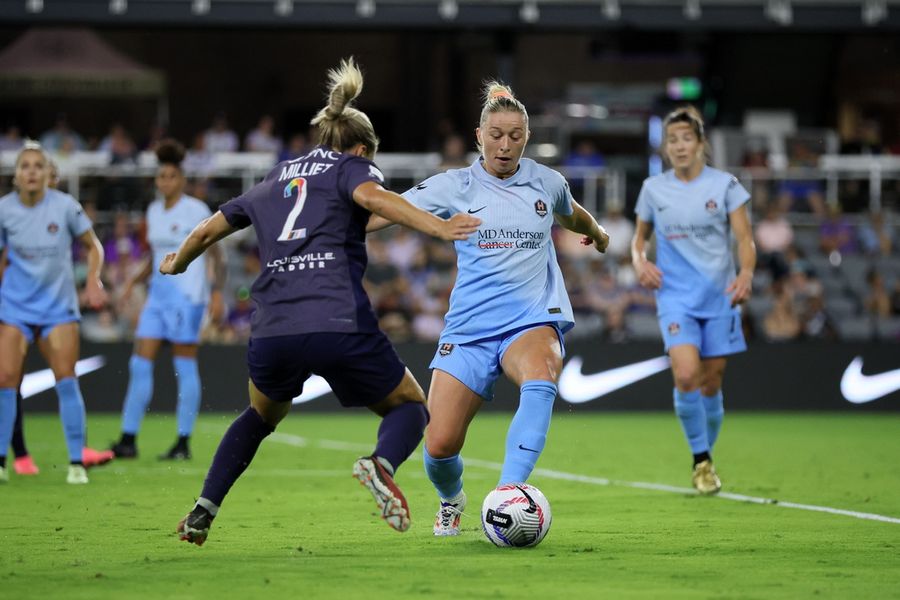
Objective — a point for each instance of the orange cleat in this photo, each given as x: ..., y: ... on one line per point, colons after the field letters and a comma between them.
x: 24, y: 465
x: 95, y: 458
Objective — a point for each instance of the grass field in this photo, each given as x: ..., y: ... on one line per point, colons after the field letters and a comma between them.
x: 297, y: 525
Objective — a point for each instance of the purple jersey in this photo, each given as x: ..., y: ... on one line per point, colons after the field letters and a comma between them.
x: 311, y: 245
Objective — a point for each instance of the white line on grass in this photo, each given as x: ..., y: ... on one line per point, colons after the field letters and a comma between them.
x: 296, y: 440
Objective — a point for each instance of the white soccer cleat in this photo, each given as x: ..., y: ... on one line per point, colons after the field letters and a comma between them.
x: 705, y: 479
x: 4, y: 475
x: 369, y: 471
x: 446, y: 522
x: 77, y: 475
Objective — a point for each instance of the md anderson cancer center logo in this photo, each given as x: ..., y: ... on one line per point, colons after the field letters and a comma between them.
x: 494, y: 239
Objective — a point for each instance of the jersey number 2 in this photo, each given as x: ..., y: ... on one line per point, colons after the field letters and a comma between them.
x: 288, y: 232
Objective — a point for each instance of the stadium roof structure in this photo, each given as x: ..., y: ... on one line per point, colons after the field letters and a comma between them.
x: 488, y: 14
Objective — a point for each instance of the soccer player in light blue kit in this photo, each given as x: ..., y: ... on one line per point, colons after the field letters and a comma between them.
x: 694, y: 210
x: 509, y: 307
x: 174, y: 309
x: 38, y: 301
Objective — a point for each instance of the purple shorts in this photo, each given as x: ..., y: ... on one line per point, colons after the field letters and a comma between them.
x: 361, y: 368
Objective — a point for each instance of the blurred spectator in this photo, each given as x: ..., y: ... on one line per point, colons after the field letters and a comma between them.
x: 199, y: 160
x: 620, y: 232
x: 239, y: 316
x: 62, y: 139
x: 756, y: 160
x: 121, y: 148
x: 876, y: 236
x: 608, y: 299
x: 781, y: 324
x: 774, y: 235
x: 816, y: 322
x: 11, y: 140
x: 836, y: 233
x: 878, y: 301
x: 801, y: 195
x: 297, y: 146
x: 584, y: 154
x: 263, y: 139
x: 219, y: 138
x: 155, y: 135
x: 102, y: 326
x: 453, y: 152
x: 866, y: 139
x: 122, y: 250
x: 216, y: 329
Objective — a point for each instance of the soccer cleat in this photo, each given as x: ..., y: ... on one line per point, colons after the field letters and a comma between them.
x: 95, y: 458
x: 24, y: 465
x: 446, y: 522
x: 77, y: 475
x: 124, y: 450
x: 194, y: 527
x: 705, y: 479
x: 391, y: 502
x: 4, y: 475
x: 176, y: 452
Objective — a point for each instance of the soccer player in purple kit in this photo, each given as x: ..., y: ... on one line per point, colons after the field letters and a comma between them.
x: 312, y: 314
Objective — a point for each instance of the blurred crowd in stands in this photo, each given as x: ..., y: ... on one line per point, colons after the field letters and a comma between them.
x: 826, y: 271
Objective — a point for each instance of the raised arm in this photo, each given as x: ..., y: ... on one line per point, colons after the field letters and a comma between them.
x: 205, y: 234
x: 742, y: 285
x: 394, y: 208
x: 583, y: 222
x: 93, y: 287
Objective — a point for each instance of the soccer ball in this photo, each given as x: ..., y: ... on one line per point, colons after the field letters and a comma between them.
x: 515, y: 514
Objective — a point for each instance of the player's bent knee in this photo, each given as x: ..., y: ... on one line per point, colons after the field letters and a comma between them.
x: 686, y: 379
x: 440, y: 446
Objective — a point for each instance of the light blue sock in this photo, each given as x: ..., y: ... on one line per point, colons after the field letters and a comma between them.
x: 715, y: 412
x: 690, y: 411
x: 528, y: 431
x: 188, y: 376
x: 444, y: 473
x: 140, y: 391
x: 7, y: 418
x: 71, y: 413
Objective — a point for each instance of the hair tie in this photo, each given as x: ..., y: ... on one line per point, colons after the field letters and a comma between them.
x: 501, y: 94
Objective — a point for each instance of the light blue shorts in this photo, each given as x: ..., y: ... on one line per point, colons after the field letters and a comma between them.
x: 477, y: 364
x: 717, y: 336
x: 29, y: 330
x: 177, y: 324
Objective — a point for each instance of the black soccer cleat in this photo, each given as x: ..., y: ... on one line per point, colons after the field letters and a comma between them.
x: 176, y: 452
x: 122, y: 450
x: 194, y: 527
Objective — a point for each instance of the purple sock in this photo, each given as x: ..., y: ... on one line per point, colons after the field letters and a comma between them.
x: 236, y: 450
x: 400, y: 432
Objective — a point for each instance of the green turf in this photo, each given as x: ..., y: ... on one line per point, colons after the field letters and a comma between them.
x: 297, y: 526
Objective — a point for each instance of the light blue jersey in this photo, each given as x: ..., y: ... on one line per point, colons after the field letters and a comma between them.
x: 693, y: 240
x: 38, y: 286
x: 508, y: 276
x: 166, y: 230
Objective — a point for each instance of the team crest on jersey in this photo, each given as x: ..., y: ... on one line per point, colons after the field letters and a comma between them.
x: 445, y: 349
x: 540, y: 207
x: 174, y: 227
x: 711, y: 206
x: 52, y: 228
x: 674, y: 328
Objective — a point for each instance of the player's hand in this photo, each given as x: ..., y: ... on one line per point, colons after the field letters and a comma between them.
x: 94, y: 293
x: 648, y: 274
x: 740, y: 288
x: 459, y: 227
x: 168, y: 265
x: 600, y: 242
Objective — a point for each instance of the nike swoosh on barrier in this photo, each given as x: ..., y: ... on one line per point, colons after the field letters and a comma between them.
x: 576, y: 388
x: 40, y: 381
x: 859, y: 389
x: 313, y: 388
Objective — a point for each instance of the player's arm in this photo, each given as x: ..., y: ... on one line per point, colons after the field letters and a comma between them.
x: 583, y: 222
x: 205, y: 234
x: 218, y: 269
x: 377, y: 223
x: 93, y: 287
x: 648, y: 274
x: 394, y: 208
x: 742, y: 285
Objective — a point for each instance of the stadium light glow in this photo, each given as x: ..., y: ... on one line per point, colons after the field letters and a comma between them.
x: 780, y: 11
x: 692, y: 10
x: 118, y: 7
x: 874, y: 11
x: 611, y: 9
x: 365, y: 8
x: 448, y: 9
x: 200, y: 7
x: 283, y: 8
x: 34, y: 6
x: 530, y: 13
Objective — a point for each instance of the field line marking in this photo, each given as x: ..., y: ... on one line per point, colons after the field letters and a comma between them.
x: 296, y: 440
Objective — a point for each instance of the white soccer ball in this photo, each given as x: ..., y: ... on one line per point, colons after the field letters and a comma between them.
x: 515, y: 514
